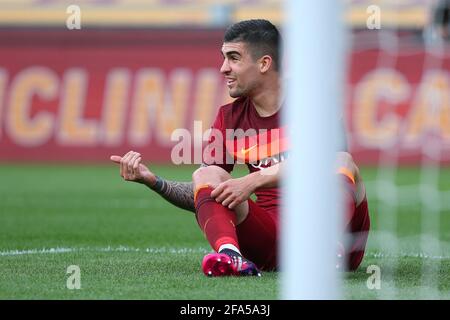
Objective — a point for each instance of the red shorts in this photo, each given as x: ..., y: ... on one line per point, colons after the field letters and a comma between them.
x: 258, y: 236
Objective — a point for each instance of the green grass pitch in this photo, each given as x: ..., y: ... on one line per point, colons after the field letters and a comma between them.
x: 131, y: 244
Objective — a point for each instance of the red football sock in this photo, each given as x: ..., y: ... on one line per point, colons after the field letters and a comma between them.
x: 216, y: 221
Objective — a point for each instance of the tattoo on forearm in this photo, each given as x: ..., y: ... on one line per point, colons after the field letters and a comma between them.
x: 180, y: 194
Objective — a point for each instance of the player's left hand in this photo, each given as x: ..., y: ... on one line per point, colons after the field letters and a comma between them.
x: 233, y: 192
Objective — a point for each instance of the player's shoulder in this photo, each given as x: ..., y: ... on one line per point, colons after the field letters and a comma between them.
x: 235, y: 106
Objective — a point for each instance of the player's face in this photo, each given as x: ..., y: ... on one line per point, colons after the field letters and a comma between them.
x: 240, y: 71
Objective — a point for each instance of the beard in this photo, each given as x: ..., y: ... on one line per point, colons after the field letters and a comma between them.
x: 237, y: 92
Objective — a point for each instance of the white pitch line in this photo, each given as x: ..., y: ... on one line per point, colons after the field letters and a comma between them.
x: 172, y: 250
x: 405, y: 255
x: 105, y: 249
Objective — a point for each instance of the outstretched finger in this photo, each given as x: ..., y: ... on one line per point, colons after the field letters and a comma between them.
x: 116, y: 159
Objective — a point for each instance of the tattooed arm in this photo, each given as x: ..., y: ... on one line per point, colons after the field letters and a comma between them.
x: 181, y: 194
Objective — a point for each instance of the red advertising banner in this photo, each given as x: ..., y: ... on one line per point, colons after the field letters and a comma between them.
x: 398, y: 104
x: 86, y: 94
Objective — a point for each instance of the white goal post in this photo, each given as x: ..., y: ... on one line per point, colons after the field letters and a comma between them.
x: 314, y: 64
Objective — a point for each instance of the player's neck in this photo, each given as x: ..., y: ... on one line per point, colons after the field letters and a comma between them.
x: 267, y: 101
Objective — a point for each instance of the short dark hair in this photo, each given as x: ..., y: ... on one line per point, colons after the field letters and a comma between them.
x: 260, y: 35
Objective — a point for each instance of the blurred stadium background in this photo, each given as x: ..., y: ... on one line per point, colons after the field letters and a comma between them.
x: 135, y: 71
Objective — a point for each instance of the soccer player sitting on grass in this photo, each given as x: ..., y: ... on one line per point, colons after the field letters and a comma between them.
x: 242, y: 232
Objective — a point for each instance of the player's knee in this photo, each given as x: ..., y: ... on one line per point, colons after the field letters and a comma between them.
x: 345, y: 160
x: 210, y: 175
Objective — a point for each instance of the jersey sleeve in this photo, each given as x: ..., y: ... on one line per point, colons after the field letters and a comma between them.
x: 214, y: 151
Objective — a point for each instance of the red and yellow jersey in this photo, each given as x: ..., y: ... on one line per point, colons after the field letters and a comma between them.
x: 241, y: 135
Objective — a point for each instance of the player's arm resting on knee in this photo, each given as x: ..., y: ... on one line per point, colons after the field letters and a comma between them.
x: 267, y: 177
x: 180, y: 194
x: 233, y: 192
x: 270, y: 177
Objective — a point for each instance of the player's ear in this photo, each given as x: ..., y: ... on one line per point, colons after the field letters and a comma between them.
x: 265, y: 62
